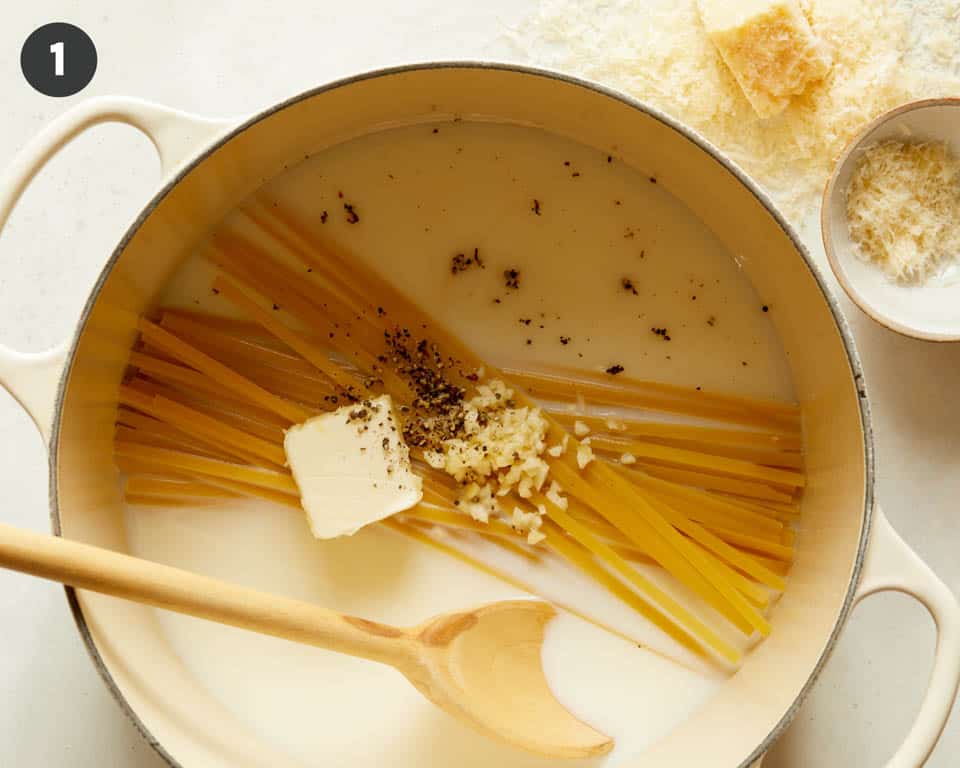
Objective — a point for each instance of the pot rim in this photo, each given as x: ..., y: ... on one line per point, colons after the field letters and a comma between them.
x: 548, y: 74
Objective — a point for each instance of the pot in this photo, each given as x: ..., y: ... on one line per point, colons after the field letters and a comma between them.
x: 846, y: 551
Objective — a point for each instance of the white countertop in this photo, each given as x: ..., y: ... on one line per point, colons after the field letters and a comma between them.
x: 211, y: 58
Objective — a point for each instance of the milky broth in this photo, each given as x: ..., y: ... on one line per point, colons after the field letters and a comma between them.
x: 423, y: 194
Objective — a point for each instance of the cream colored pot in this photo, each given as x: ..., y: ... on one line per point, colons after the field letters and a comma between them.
x: 847, y: 550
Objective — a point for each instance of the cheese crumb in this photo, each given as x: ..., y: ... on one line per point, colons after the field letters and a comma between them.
x: 615, y: 425
x: 580, y: 429
x: 768, y: 46
x: 628, y: 458
x: 903, y: 208
x: 584, y: 453
x: 352, y: 467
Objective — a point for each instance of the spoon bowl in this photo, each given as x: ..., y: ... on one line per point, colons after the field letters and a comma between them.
x: 485, y: 667
x: 928, y: 311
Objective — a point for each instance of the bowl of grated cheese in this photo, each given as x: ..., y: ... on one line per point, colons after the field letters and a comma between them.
x: 891, y: 219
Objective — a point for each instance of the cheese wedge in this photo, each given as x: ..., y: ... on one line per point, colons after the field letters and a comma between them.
x: 769, y: 47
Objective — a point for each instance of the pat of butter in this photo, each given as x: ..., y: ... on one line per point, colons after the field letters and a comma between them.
x: 352, y: 467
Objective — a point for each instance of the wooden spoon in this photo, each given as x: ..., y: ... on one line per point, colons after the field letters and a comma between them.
x: 482, y: 666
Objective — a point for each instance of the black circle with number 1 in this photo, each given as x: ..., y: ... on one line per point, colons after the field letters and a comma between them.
x: 58, y: 59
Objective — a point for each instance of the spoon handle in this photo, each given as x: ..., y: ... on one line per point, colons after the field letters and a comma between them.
x: 142, y: 581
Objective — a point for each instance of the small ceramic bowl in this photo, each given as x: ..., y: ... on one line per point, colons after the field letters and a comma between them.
x: 930, y: 311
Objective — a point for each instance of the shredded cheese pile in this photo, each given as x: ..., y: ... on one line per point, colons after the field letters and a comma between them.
x: 903, y: 208
x: 500, y: 450
x: 884, y: 52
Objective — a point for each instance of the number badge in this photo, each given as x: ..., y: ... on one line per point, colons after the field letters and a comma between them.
x: 58, y: 59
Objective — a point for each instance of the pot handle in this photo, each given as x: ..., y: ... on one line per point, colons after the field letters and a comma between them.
x: 892, y: 566
x: 32, y: 379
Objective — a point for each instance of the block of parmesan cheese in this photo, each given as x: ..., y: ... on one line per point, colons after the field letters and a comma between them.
x: 769, y: 47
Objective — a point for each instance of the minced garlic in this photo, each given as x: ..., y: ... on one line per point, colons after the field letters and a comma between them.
x: 477, y: 501
x: 535, y: 537
x: 499, y: 450
x: 555, y: 496
x: 529, y: 523
x: 584, y: 453
x: 556, y: 451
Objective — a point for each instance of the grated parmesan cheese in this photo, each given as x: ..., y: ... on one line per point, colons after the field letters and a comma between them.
x: 659, y: 51
x: 903, y: 208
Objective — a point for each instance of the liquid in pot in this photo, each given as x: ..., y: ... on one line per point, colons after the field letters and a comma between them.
x: 585, y: 263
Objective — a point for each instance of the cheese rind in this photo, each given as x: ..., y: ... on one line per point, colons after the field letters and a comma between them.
x: 769, y: 47
x: 352, y: 467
